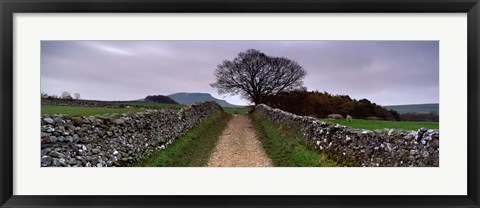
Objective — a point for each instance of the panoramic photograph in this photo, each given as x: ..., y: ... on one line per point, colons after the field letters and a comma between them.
x: 239, y: 103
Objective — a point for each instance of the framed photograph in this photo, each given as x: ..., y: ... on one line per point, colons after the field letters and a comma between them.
x: 238, y: 103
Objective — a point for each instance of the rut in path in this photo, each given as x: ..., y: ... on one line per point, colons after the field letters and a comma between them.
x: 238, y: 146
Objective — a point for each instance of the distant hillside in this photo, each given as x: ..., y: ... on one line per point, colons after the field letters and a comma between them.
x: 160, y: 99
x: 189, y: 98
x: 417, y: 108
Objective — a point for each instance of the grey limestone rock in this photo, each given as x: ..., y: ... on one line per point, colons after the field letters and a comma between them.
x: 116, y: 140
x: 387, y: 147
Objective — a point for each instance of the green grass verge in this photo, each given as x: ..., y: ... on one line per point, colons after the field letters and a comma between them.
x: 286, y: 147
x: 235, y: 110
x: 84, y: 111
x: 194, y: 148
x: 376, y: 124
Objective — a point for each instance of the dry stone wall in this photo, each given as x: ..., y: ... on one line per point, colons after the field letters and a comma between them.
x: 354, y: 147
x: 119, y: 140
x: 97, y: 103
x: 83, y: 103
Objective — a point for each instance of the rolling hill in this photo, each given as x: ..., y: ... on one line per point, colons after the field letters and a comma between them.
x: 160, y: 99
x: 189, y: 98
x: 415, y: 108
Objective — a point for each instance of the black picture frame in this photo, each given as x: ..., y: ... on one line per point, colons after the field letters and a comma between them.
x: 9, y: 7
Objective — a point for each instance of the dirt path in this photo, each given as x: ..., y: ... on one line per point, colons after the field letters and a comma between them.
x: 238, y: 146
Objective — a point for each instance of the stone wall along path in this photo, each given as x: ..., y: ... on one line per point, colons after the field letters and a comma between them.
x: 117, y: 140
x: 357, y: 147
x: 238, y: 146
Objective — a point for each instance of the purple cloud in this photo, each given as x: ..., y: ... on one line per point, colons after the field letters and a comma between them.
x: 385, y: 72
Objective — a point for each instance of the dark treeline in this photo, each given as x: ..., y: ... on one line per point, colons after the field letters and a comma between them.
x: 321, y: 104
x: 160, y: 99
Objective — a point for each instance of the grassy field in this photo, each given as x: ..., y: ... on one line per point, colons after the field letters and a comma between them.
x: 84, y: 111
x: 285, y: 146
x: 153, y: 104
x: 194, y: 148
x: 235, y: 110
x: 418, y: 108
x: 91, y: 111
x: 376, y: 124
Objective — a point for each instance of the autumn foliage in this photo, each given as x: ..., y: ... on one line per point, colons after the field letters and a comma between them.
x: 321, y: 104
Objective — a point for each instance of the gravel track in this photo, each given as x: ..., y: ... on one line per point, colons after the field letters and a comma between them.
x: 238, y: 146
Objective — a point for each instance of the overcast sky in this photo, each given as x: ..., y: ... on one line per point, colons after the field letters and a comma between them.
x: 384, y: 72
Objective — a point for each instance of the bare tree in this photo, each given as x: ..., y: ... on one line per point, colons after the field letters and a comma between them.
x: 254, y: 75
x: 76, y: 95
x: 66, y: 95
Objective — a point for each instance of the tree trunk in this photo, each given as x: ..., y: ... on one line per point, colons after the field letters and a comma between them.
x: 257, y: 100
